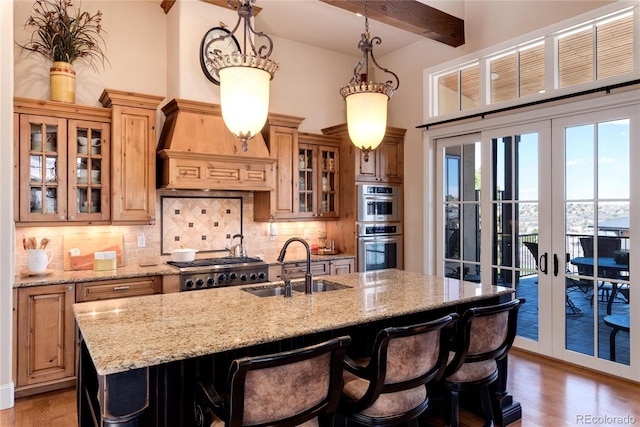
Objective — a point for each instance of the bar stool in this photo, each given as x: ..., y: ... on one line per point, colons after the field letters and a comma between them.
x: 282, y: 389
x: 484, y: 335
x: 390, y: 387
x: 619, y: 322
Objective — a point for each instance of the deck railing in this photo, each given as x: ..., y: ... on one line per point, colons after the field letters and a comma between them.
x: 574, y: 250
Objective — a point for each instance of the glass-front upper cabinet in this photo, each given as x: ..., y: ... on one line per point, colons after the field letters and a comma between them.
x: 317, y: 176
x: 43, y: 169
x: 63, y: 169
x: 89, y: 174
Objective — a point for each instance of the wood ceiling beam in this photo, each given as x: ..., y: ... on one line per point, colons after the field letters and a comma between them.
x: 411, y: 16
x: 168, y: 4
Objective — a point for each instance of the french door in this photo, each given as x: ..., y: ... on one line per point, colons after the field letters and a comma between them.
x: 522, y: 205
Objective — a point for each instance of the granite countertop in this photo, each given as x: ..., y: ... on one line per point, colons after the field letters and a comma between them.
x: 137, y: 332
x: 57, y: 277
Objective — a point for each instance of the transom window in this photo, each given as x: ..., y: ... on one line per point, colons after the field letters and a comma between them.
x: 565, y: 57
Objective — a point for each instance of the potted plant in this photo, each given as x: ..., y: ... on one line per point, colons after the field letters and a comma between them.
x: 65, y: 35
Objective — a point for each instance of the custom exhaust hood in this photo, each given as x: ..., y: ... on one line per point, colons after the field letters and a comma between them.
x: 197, y: 152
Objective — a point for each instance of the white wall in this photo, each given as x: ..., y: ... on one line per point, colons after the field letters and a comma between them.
x: 6, y: 212
x: 136, y: 40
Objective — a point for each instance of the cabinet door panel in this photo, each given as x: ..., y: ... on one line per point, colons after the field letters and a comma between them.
x: 366, y: 170
x: 45, y: 337
x: 43, y: 168
x: 391, y: 161
x: 133, y: 165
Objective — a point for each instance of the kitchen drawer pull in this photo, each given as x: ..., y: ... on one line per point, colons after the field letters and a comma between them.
x: 121, y: 288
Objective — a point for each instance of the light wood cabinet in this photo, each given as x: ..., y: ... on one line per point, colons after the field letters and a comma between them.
x: 122, y: 288
x: 45, y: 338
x: 385, y: 164
x: 45, y: 344
x: 318, y: 163
x: 62, y: 163
x: 133, y: 156
x: 281, y: 136
x: 342, y: 266
x: 297, y: 269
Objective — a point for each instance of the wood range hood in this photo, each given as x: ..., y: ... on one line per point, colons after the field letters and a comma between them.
x: 197, y: 152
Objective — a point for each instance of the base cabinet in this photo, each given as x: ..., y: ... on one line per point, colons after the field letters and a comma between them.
x: 297, y: 269
x: 342, y: 266
x: 45, y: 344
x: 45, y: 336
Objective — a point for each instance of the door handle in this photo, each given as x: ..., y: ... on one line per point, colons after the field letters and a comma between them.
x: 543, y: 263
x: 555, y: 264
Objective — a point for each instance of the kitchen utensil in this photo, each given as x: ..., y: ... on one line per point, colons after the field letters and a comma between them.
x: 24, y: 243
x: 183, y: 255
x: 33, y: 243
x: 43, y: 243
x: 237, y: 250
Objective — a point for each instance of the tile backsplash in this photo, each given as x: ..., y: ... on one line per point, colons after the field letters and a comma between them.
x: 256, y: 234
x: 203, y: 223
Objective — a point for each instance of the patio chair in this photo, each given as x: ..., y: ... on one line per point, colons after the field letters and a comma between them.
x: 607, y: 245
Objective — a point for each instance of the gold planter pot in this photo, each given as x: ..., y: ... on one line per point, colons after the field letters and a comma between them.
x: 62, y: 82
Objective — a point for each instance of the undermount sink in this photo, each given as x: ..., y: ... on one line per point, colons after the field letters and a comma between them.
x: 319, y: 286
x: 265, y: 291
x: 297, y: 286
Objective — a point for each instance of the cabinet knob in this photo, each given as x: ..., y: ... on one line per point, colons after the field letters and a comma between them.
x: 62, y: 218
x: 72, y: 217
x: 152, y: 220
x: 69, y: 288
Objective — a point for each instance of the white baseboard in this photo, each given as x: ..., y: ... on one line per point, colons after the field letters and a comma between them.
x: 6, y: 396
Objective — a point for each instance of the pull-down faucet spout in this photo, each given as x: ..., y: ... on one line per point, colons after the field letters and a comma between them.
x: 308, y: 277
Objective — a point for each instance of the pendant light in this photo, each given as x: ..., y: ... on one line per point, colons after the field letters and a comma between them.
x: 244, y: 77
x: 367, y: 100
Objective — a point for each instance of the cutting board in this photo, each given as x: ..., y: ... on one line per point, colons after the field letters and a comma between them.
x: 88, y: 244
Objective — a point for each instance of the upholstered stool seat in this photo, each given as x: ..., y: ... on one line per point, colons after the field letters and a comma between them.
x: 291, y: 388
x: 390, y: 387
x: 484, y: 335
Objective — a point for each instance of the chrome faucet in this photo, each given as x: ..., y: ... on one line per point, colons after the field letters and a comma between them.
x: 308, y: 277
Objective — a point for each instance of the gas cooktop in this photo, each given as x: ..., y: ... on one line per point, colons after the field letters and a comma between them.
x: 213, y: 262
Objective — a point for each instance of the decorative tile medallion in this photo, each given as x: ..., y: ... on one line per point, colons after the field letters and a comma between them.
x: 202, y: 223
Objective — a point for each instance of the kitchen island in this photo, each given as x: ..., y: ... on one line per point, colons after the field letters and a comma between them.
x: 139, y: 357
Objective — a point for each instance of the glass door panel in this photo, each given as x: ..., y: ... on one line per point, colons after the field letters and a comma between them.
x: 461, y: 166
x: 519, y: 258
x: 41, y: 146
x: 597, y: 235
x: 305, y: 181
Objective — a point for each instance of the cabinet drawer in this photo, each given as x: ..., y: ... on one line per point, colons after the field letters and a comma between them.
x: 94, y: 291
x: 298, y: 269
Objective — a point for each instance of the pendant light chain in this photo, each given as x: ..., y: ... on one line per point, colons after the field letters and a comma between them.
x: 366, y: 17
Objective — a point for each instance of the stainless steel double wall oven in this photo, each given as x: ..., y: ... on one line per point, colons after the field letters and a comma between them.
x: 379, y: 226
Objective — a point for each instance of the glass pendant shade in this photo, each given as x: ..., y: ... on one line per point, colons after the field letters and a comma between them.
x: 244, y: 99
x: 367, y: 119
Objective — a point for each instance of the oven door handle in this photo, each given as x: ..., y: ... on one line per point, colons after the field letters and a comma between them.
x: 385, y: 238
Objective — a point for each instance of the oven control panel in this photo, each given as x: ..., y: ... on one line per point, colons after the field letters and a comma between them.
x: 204, y: 280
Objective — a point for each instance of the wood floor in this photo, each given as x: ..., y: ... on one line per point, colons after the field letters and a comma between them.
x: 551, y: 394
